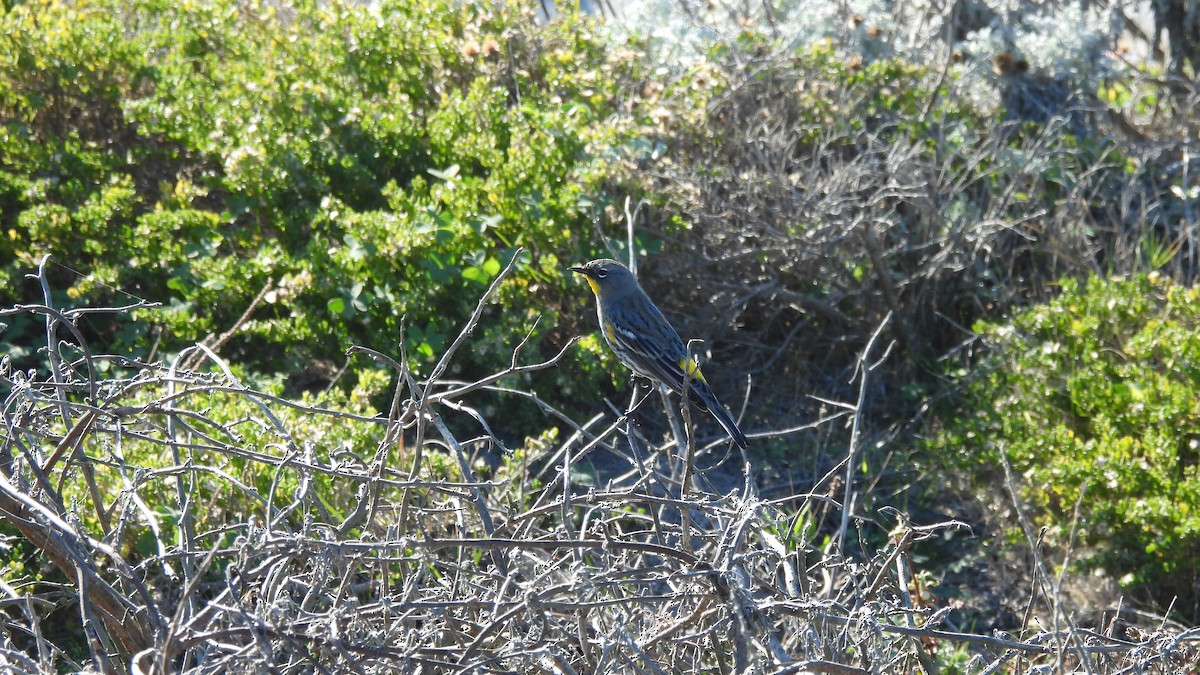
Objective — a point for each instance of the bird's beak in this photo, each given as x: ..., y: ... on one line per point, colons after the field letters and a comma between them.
x: 588, y: 277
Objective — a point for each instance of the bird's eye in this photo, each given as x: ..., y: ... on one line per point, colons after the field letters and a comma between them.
x: 601, y: 273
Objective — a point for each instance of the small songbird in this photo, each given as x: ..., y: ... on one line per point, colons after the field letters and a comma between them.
x: 643, y: 339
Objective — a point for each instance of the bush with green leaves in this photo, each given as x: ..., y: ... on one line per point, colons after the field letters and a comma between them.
x: 1094, y: 400
x: 362, y: 166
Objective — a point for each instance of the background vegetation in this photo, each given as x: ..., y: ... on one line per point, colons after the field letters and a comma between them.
x: 944, y: 262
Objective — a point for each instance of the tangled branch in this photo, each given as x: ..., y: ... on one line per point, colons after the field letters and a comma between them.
x: 206, y: 525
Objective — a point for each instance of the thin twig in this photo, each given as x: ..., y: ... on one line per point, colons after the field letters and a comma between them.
x: 865, y: 368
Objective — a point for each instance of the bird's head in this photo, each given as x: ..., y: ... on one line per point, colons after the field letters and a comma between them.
x: 607, y: 277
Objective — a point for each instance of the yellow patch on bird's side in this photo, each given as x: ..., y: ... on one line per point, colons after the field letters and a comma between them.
x: 692, y: 368
x: 608, y: 331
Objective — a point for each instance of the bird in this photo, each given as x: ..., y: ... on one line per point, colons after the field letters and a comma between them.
x: 645, y: 341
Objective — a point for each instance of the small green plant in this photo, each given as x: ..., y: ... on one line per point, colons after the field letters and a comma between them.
x: 1093, y: 399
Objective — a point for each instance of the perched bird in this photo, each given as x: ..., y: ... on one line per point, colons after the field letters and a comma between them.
x: 644, y: 340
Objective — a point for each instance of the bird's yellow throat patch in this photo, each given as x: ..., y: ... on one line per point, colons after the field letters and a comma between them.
x: 595, y: 286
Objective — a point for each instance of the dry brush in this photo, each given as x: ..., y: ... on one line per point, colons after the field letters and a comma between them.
x: 182, y: 542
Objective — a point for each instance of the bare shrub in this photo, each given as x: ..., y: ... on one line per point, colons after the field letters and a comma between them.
x: 823, y: 193
x: 200, y: 537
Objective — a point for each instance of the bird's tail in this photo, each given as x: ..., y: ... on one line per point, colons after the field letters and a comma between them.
x: 708, y: 399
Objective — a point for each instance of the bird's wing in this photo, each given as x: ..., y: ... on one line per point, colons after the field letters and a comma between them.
x: 662, y: 358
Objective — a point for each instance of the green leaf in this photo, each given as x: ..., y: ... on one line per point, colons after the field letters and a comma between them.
x: 491, y: 267
x: 475, y: 274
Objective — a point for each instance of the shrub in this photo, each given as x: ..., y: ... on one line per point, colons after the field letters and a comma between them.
x: 1093, y: 399
x: 804, y: 191
x: 149, y: 510
x: 198, y: 154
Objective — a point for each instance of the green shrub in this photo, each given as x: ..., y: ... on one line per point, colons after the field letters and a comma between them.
x: 1094, y: 398
x: 376, y: 164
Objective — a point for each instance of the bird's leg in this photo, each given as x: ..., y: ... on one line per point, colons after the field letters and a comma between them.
x: 676, y: 427
x: 635, y: 401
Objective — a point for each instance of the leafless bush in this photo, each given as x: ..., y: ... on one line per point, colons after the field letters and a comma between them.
x: 821, y: 209
x: 214, y: 553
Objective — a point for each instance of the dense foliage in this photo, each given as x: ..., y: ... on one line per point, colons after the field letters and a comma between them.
x: 1094, y: 399
x: 197, y: 154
